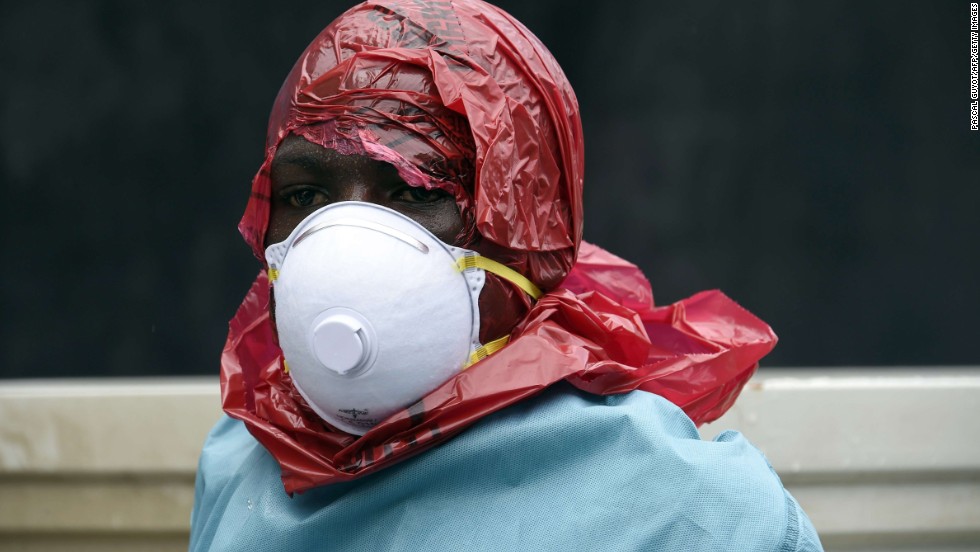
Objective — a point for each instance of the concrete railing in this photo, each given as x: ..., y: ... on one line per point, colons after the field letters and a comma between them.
x: 881, y: 460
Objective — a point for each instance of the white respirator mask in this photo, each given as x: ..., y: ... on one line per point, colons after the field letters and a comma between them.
x: 374, y: 312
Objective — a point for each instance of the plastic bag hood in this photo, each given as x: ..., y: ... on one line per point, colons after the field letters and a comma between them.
x: 457, y: 95
x: 460, y: 96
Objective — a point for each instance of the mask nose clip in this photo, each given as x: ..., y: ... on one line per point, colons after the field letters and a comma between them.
x: 343, y: 341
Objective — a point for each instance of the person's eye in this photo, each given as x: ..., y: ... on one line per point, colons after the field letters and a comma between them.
x: 413, y: 194
x: 305, y: 197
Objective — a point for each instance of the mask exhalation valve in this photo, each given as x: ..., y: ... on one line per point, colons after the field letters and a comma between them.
x: 342, y: 341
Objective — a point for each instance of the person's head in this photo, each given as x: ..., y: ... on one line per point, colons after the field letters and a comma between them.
x: 452, y: 113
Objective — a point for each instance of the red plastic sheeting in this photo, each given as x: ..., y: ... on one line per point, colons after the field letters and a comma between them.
x: 460, y: 96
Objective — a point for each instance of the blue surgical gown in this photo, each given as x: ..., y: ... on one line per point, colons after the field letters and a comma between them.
x: 565, y: 470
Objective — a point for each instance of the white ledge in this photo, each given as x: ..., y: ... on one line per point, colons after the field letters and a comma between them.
x: 881, y: 459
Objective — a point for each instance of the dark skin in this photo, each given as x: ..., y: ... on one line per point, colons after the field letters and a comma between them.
x: 306, y: 176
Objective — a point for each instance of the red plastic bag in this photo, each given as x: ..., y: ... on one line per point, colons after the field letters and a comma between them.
x: 460, y: 96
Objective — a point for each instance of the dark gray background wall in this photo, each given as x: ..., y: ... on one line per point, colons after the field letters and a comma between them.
x: 811, y: 159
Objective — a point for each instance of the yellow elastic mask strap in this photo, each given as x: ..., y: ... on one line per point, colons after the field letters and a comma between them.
x: 483, y: 351
x: 504, y: 271
x: 273, y: 274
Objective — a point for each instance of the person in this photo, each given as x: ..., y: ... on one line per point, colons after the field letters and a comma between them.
x: 431, y: 358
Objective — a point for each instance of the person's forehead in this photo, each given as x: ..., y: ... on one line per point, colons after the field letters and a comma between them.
x: 297, y: 151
